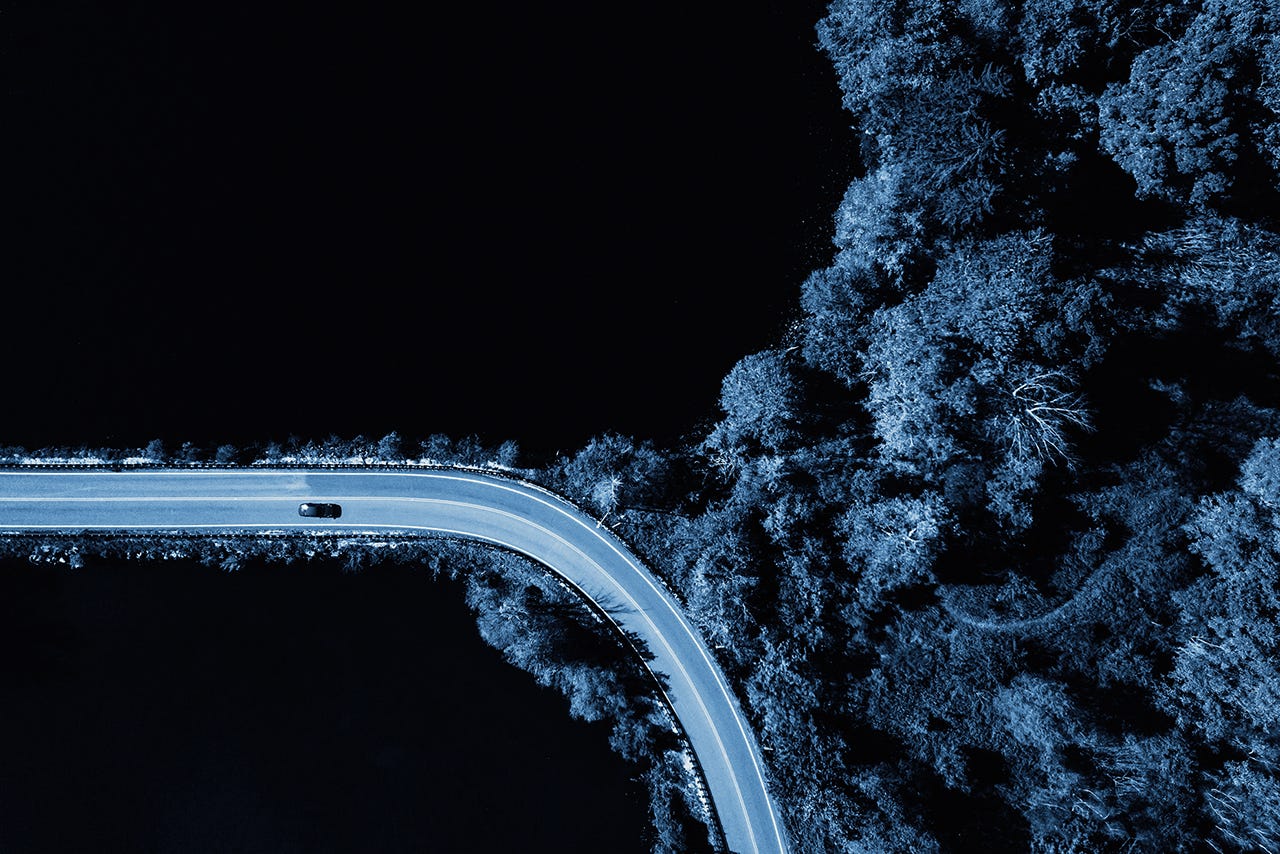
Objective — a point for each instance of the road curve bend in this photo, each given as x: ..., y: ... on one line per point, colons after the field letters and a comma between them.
x: 465, y: 504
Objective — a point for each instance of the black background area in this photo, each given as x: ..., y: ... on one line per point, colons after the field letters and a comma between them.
x: 237, y: 223
x: 172, y: 707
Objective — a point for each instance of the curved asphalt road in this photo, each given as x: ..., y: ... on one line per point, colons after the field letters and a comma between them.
x: 452, y: 502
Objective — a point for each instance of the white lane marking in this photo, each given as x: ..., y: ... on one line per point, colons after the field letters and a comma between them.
x: 528, y: 491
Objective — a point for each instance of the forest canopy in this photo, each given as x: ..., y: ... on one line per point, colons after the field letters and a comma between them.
x: 989, y: 544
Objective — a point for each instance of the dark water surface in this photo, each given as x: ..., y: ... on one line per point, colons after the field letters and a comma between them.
x: 169, y: 707
x: 246, y: 221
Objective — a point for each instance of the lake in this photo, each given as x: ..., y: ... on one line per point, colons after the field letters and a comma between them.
x: 172, y: 707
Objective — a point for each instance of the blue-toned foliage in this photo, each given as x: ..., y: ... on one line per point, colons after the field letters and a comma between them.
x: 967, y: 368
x: 1227, y: 667
x: 1243, y: 803
x: 889, y: 545
x: 972, y: 556
x: 836, y: 302
x: 1191, y: 109
x: 921, y: 95
x: 759, y: 398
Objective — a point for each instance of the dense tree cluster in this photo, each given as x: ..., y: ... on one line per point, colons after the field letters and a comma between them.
x: 990, y: 546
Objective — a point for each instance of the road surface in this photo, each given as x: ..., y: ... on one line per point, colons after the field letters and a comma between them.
x: 458, y: 503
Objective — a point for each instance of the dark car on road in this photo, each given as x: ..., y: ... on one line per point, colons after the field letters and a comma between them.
x: 320, y: 511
